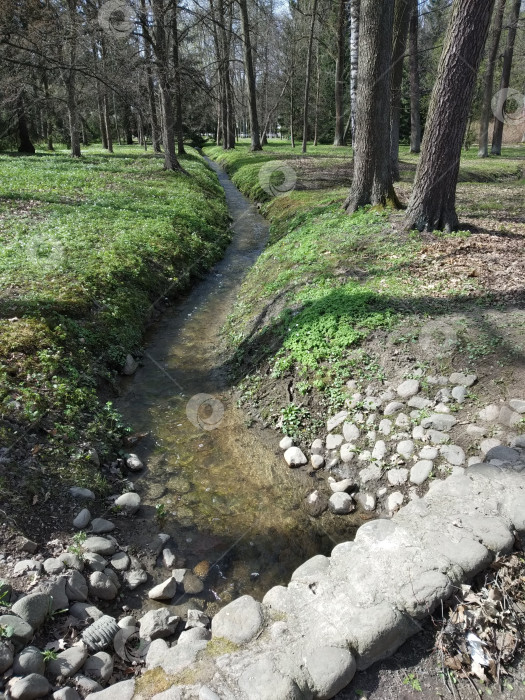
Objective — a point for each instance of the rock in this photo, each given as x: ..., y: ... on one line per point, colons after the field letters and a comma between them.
x: 169, y: 557
x: 408, y: 388
x: 453, y: 454
x: 489, y: 414
x: 31, y: 687
x: 370, y: 473
x: 71, y: 561
x: 239, y: 621
x: 130, y: 366
x: 394, y: 501
x: 135, y: 578
x: 86, y: 686
x: 196, y: 618
x: 488, y: 444
x: 112, y: 575
x: 134, y: 463
x: 156, y: 653
x: 101, y: 633
x: 364, y: 456
x: 367, y: 501
x: 517, y: 405
x: 6, y: 656
x: 421, y: 471
x: 28, y: 546
x: 164, y: 591
x: 436, y: 437
x: 459, y: 393
x: 340, y: 503
x: 393, y: 407
x: 125, y: 690
x: 505, y: 454
x: 99, y: 667
x: 419, y: 402
x: 315, y: 504
x: 294, y: 457
x: 396, y: 477
x: 439, y: 421
x: 85, y: 611
x: 385, y: 426
x: 462, y: 379
x: 99, y: 545
x: 441, y: 408
x: 418, y: 432
x: 27, y: 566
x: 120, y: 561
x: 101, y: 586
x: 317, y: 461
x: 66, y: 693
x: 157, y: 624
x: 333, y: 442
x: 331, y: 669
x: 56, y: 589
x: 317, y: 447
x: 128, y: 502
x: 29, y: 660
x: 76, y: 587
x: 21, y: 631
x: 380, y: 450
x: 347, y: 452
x: 344, y: 485
x: 286, y: 442
x: 261, y: 681
x: 100, y: 525
x: 476, y: 431
x: 350, y: 432
x: 95, y: 562
x: 33, y: 608
x: 402, y: 421
x: 518, y: 441
x: 405, y: 448
x: 474, y: 460
x: 53, y: 566
x: 508, y: 417
x: 79, y: 492
x: 188, y: 581
x: 339, y: 418
x: 82, y: 519
x: 68, y: 662
x: 195, y: 634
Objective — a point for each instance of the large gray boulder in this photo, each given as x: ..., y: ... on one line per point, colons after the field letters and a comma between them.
x: 239, y: 621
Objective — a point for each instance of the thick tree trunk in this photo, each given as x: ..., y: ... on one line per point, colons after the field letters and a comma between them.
x: 339, y: 137
x: 415, y: 90
x: 497, y: 136
x: 317, y: 93
x: 107, y: 122
x: 26, y: 145
x: 292, y: 109
x: 372, y: 181
x: 355, y: 10
x: 178, y: 84
x: 250, y: 77
x: 401, y: 20
x: 69, y: 77
x: 488, y: 86
x: 432, y: 205
x: 48, y: 126
x: 308, y: 75
x: 155, y: 140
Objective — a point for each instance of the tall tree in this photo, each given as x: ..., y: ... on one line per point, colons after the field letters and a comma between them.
x: 372, y: 180
x: 432, y: 205
x: 497, y: 136
x: 355, y: 8
x: 26, y: 145
x: 488, y: 85
x: 401, y: 19
x: 250, y: 77
x: 339, y: 137
x: 69, y: 76
x: 308, y: 75
x: 178, y: 81
x: 415, y: 90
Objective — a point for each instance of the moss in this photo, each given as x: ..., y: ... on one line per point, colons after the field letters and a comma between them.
x: 219, y: 646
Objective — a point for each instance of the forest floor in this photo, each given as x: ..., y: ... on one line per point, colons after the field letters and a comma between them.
x: 335, y: 297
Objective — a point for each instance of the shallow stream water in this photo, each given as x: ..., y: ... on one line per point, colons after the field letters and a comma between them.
x: 231, y: 502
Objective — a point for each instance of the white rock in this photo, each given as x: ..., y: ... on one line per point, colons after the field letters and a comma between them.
x: 347, y: 452
x: 336, y: 420
x: 393, y: 407
x: 350, y: 432
x: 517, y: 405
x: 476, y: 431
x: 418, y: 432
x: 365, y: 456
x: 488, y: 444
x: 317, y: 447
x: 164, y: 591
x: 339, y: 486
x: 419, y: 402
x: 405, y: 448
x: 396, y: 477
x: 408, y: 388
x: 429, y: 452
x: 489, y: 414
x: 385, y: 426
x: 371, y: 473
x: 379, y: 450
x: 394, y: 501
x: 341, y: 503
x: 367, y: 501
x: 421, y: 471
x: 333, y: 441
x: 128, y: 502
x: 474, y: 460
x: 453, y: 454
x: 441, y: 408
x: 437, y: 437
x: 294, y: 457
x: 459, y: 393
x: 463, y: 379
x: 134, y: 463
x: 317, y: 461
x: 286, y: 442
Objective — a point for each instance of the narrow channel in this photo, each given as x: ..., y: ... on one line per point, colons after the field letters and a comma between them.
x: 231, y: 502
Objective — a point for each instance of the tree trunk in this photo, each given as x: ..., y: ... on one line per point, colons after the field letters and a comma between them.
x: 432, y: 205
x: 155, y: 130
x: 70, y: 80
x: 107, y: 121
x: 317, y: 92
x: 292, y: 107
x: 26, y: 145
x: 401, y: 20
x: 308, y: 76
x: 488, y: 87
x: 497, y: 136
x: 355, y: 11
x: 372, y: 180
x: 250, y: 78
x: 178, y: 84
x: 415, y: 90
x: 339, y: 137
x: 47, y: 122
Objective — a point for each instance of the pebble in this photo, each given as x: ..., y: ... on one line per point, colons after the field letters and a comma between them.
x: 348, y: 452
x: 436, y: 437
x: 130, y: 366
x: 164, y: 591
x: 394, y: 501
x: 87, y: 686
x: 418, y: 432
x: 82, y: 519
x: 517, y: 405
x: 489, y: 414
x: 53, y: 566
x: 474, y: 460
x: 419, y: 402
x: 6, y: 656
x: 371, y: 473
x: 405, y: 448
x: 339, y: 418
x: 135, y: 578
x: 396, y: 477
x: 385, y: 426
x: 79, y: 492
x: 286, y: 442
x: 421, y: 471
x: 439, y: 421
x: 196, y: 619
x: 29, y: 660
x: 28, y: 546
x: 69, y: 661
x: 157, y: 624
x: 33, y: 608
x: 343, y: 485
x: 504, y: 454
x: 294, y: 457
x: 365, y: 456
x: 99, y: 545
x: 508, y: 417
x: 100, y: 526
x: 403, y: 421
x: 71, y: 561
x: 441, y: 408
x: 408, y: 388
x: 379, y: 450
x: 66, y: 693
x: 99, y: 667
x: 393, y: 407
x: 119, y: 561
x: 341, y: 503
x: 134, y: 463
x: 333, y: 441
x: 453, y: 454
x: 317, y: 447
x: 317, y: 461
x: 128, y: 502
x: 476, y: 431
x: 95, y: 562
x: 463, y: 379
x: 488, y: 444
x: 367, y: 501
x: 26, y: 566
x: 76, y: 587
x: 188, y: 581
x: 429, y: 452
x: 101, y: 586
x: 315, y: 504
x: 29, y: 688
x: 459, y: 393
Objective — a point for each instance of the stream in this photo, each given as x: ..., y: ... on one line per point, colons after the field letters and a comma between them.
x: 232, y: 506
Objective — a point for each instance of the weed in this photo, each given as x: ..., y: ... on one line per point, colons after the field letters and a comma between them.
x: 412, y: 680
x: 292, y: 418
x: 49, y: 655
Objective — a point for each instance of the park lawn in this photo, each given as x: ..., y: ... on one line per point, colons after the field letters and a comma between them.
x: 89, y: 250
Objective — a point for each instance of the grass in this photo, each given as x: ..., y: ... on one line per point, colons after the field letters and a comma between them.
x: 88, y: 247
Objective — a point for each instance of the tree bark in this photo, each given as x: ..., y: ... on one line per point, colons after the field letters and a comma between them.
x: 415, y: 90
x: 355, y: 11
x: 48, y: 126
x: 339, y: 136
x: 497, y: 136
x: 432, y: 205
x: 70, y: 79
x: 372, y: 180
x: 308, y: 76
x: 250, y: 78
x: 488, y: 85
x: 401, y: 20
x: 178, y: 83
x: 317, y: 92
x: 26, y: 145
